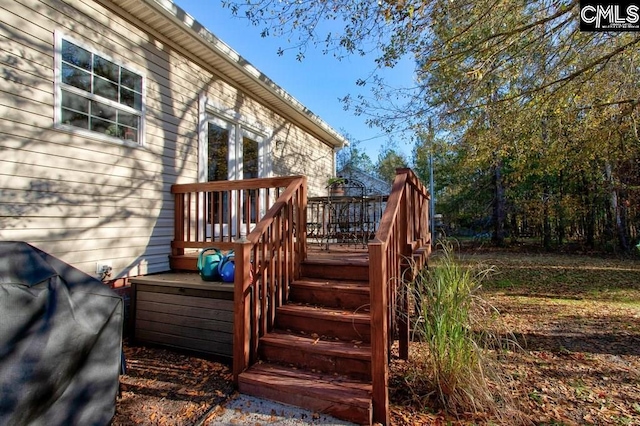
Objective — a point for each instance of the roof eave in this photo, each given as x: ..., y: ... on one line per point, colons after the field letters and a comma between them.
x: 228, y: 62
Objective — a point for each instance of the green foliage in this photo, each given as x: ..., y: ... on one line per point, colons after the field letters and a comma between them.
x: 352, y: 156
x: 540, y: 118
x: 335, y: 181
x: 459, y: 330
x: 388, y: 161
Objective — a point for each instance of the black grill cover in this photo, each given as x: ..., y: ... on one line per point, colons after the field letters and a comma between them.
x: 60, y: 341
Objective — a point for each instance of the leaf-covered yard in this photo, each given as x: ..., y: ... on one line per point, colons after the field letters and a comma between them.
x: 577, y: 319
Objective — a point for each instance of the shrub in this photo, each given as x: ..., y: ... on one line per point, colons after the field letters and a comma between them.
x: 458, y: 329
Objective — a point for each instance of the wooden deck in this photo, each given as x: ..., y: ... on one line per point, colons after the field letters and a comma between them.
x: 182, y: 278
x: 318, y: 349
x: 314, y: 314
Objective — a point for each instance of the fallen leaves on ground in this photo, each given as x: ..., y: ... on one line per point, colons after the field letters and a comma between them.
x: 577, y: 319
x: 163, y: 387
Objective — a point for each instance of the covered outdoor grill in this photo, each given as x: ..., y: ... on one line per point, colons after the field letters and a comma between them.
x: 60, y: 341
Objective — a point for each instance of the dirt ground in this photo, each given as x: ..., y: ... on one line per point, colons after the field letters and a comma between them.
x: 167, y: 387
x: 577, y: 320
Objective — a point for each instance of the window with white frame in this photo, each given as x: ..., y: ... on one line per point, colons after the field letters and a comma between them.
x: 97, y: 95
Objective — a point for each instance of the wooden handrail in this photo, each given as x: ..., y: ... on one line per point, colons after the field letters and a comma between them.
x: 402, y: 237
x: 266, y: 262
x: 224, y: 185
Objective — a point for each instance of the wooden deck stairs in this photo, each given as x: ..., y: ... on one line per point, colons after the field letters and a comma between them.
x: 318, y: 356
x: 310, y: 328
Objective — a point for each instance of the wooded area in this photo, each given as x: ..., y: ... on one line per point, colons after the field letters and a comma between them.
x: 535, y: 122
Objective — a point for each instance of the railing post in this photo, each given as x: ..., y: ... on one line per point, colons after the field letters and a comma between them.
x: 406, y: 249
x: 302, y: 226
x: 391, y: 257
x: 379, y: 333
x: 242, y: 332
x: 178, y: 223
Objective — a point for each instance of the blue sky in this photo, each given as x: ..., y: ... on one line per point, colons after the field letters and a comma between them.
x: 317, y: 82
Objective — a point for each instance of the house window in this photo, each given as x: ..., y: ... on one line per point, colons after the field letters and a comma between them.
x: 98, y: 95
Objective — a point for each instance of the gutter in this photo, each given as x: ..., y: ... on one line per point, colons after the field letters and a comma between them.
x: 196, y: 30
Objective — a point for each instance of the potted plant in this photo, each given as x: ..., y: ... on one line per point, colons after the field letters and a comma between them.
x: 336, y: 186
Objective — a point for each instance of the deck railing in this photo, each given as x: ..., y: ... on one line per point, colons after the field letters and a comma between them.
x: 219, y: 213
x: 257, y: 219
x: 401, y: 242
x: 345, y: 220
x: 270, y: 247
x: 266, y: 262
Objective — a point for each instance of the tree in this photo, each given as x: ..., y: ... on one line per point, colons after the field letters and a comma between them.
x: 388, y: 161
x: 354, y: 157
x: 541, y: 117
x: 470, y: 42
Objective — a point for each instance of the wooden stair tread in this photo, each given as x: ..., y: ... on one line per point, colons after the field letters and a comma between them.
x: 334, y: 314
x: 341, y: 386
x: 338, y: 292
x: 337, y: 267
x: 338, y: 261
x: 337, y: 395
x: 357, y: 350
x: 337, y: 285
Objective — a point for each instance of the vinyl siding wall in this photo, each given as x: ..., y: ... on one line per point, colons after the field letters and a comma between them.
x: 86, y: 200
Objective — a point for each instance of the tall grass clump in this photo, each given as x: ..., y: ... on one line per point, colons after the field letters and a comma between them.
x: 459, y: 336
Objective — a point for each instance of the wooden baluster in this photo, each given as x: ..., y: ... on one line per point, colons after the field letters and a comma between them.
x: 188, y: 218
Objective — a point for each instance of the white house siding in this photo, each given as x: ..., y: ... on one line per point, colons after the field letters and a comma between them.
x: 295, y: 153
x: 85, y: 200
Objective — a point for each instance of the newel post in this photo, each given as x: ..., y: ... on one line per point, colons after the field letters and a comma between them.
x: 379, y: 333
x: 406, y: 249
x: 242, y: 310
x: 178, y: 223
